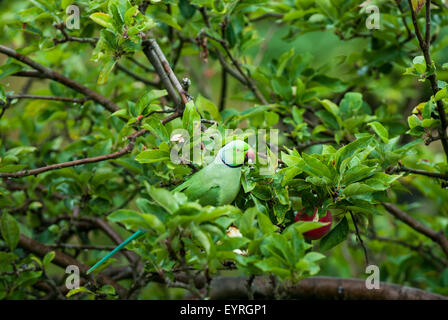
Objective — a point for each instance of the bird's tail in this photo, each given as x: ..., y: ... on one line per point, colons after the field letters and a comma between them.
x: 136, y: 235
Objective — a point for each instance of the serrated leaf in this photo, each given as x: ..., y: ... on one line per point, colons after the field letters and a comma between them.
x: 103, y: 19
x: 151, y: 156
x: 380, y: 130
x: 156, y: 127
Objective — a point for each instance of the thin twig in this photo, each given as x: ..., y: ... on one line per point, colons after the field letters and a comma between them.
x: 52, y: 98
x: 53, y: 75
x: 421, y: 249
x: 425, y: 47
x: 125, y: 150
x: 402, y: 168
x: 240, y: 75
x: 361, y: 242
x: 137, y: 77
x: 435, y: 236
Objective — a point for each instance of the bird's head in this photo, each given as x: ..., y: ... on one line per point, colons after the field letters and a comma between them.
x: 236, y: 152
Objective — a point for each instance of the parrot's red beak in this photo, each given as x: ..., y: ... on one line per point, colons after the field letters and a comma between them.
x: 250, y: 155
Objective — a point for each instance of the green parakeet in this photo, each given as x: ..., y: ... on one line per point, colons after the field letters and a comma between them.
x: 216, y: 184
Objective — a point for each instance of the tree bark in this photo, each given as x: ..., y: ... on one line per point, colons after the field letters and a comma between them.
x: 320, y: 288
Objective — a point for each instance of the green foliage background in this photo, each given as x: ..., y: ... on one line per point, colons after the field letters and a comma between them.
x: 358, y: 125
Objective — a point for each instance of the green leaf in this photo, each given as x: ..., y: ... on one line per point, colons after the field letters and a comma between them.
x: 441, y: 94
x: 167, y: 19
x: 351, y: 103
x: 150, y: 156
x: 315, y: 167
x: 191, y: 118
x: 206, y: 105
x: 156, y: 127
x: 246, y: 222
x: 163, y: 197
x: 10, y: 230
x: 153, y: 222
x: 414, y: 121
x: 130, y: 14
x: 145, y: 100
x: 9, y: 69
x: 417, y: 5
x: 78, y: 290
x: 265, y: 224
x: 419, y: 64
x: 380, y: 131
x: 48, y: 258
x: 186, y: 9
x: 203, y: 238
x: 122, y: 113
x: 2, y: 93
x: 357, y: 188
x: 333, y: 109
x: 348, y: 150
x: 128, y: 217
x: 155, y: 94
x: 335, y: 236
x: 305, y: 226
x: 107, y: 68
x: 103, y: 19
x: 283, y: 60
x: 107, y: 289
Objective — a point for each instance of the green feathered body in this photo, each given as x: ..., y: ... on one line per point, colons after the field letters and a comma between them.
x: 216, y: 185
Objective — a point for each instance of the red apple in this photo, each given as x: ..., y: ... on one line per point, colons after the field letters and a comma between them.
x: 319, y: 232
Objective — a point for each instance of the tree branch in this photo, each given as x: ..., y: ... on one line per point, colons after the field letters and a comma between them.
x: 23, y: 173
x: 137, y: 77
x: 165, y: 79
x: 402, y: 168
x: 420, y: 248
x: 127, y: 149
x: 80, y: 246
x: 358, y: 235
x: 321, y: 288
x: 425, y: 47
x: 64, y: 260
x: 52, y: 98
x: 437, y: 237
x: 169, y: 71
x: 53, y: 75
x: 240, y: 75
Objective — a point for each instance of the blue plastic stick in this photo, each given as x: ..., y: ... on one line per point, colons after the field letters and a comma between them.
x: 136, y: 235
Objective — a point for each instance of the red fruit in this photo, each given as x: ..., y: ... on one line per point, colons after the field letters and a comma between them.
x: 319, y: 232
x: 139, y: 117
